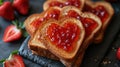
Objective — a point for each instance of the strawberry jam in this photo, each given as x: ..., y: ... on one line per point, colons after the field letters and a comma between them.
x: 56, y: 3
x: 100, y: 11
x: 65, y: 36
x: 36, y: 23
x: 75, y: 3
x: 88, y: 23
x: 54, y: 13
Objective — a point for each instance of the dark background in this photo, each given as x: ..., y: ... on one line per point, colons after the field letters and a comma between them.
x: 100, y: 55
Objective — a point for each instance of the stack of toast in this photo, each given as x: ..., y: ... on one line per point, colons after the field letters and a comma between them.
x: 65, y: 28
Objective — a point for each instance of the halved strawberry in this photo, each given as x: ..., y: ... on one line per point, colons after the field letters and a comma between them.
x: 12, y: 33
x: 118, y: 54
x: 14, y: 60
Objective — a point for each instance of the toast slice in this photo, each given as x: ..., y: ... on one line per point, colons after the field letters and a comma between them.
x: 30, y: 28
x: 90, y: 18
x: 104, y: 11
x: 61, y: 3
x: 37, y: 47
x: 38, y: 34
x: 33, y: 22
x: 64, y: 37
x: 91, y: 22
x: 69, y: 62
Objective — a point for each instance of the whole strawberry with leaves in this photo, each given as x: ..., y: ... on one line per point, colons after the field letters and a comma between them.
x: 22, y: 6
x: 6, y: 10
x: 14, y: 32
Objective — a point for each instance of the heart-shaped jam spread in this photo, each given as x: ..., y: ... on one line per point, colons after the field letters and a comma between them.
x: 99, y: 10
x: 89, y: 24
x: 54, y: 13
x: 76, y: 3
x: 65, y: 36
x: 36, y: 23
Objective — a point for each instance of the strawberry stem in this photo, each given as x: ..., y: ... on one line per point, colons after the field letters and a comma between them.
x: 1, y: 61
x: 20, y: 25
x: 1, y: 2
x: 15, y: 52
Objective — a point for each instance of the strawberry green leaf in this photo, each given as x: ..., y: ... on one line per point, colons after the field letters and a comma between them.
x: 15, y: 52
x: 15, y: 23
x: 1, y: 61
x: 1, y: 2
x: 25, y: 34
x: 19, y: 25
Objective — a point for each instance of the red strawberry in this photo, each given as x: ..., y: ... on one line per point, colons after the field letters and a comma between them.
x: 6, y: 10
x: 118, y: 54
x: 22, y: 6
x: 14, y: 60
x: 12, y: 33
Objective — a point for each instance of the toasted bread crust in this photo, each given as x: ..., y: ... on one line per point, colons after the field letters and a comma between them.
x: 110, y: 10
x: 61, y: 53
x: 41, y: 46
x: 75, y: 62
x: 84, y: 15
x: 46, y: 4
x: 29, y: 20
x: 30, y: 29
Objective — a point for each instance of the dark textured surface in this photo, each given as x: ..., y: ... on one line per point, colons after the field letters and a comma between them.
x: 7, y: 48
x: 95, y: 53
x: 101, y: 55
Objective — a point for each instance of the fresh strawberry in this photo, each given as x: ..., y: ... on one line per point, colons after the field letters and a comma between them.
x: 14, y: 32
x: 22, y: 6
x: 14, y: 60
x: 118, y: 54
x: 6, y: 10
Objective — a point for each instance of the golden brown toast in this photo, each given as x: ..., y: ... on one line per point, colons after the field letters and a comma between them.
x: 45, y: 43
x: 67, y: 47
x: 106, y: 14
x: 30, y: 29
x: 38, y: 34
x: 88, y: 39
x: 69, y: 62
x: 83, y: 16
x: 33, y: 22
x: 62, y: 3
